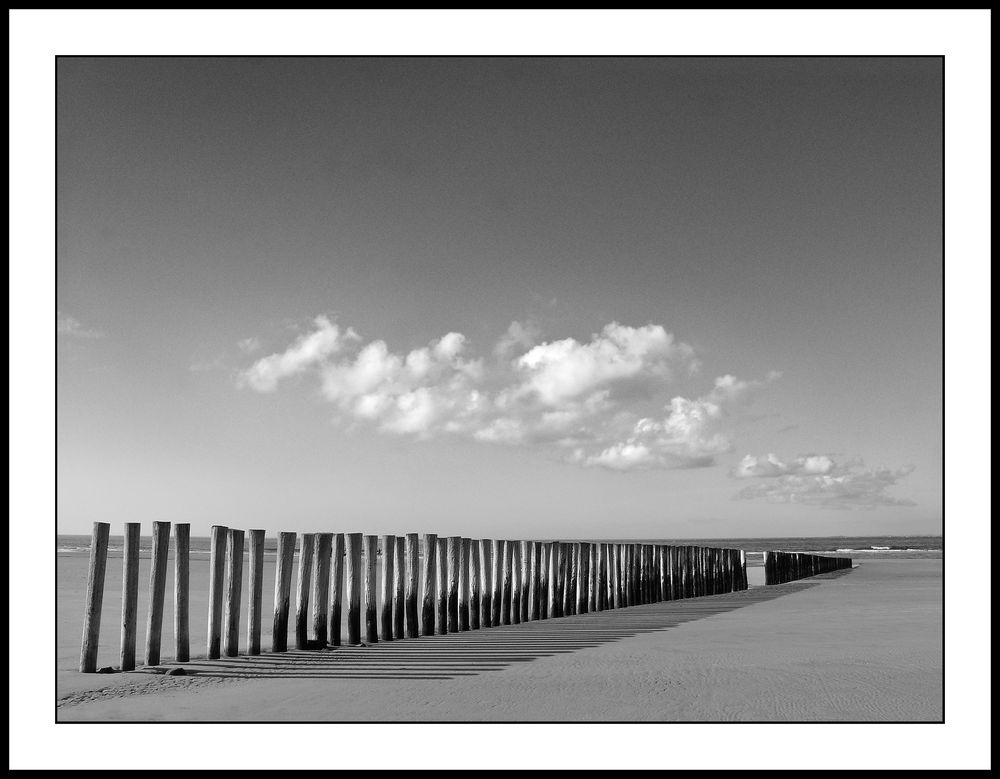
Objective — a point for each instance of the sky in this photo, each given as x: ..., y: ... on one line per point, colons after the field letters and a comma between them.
x: 515, y: 297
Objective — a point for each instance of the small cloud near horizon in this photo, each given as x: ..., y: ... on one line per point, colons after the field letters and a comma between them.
x: 71, y: 327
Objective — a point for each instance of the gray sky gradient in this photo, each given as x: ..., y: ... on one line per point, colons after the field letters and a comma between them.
x: 777, y: 215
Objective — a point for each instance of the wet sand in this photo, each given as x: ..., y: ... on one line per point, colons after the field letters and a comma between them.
x: 861, y: 645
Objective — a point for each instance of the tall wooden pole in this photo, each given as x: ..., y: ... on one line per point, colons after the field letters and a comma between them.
x: 130, y: 595
x: 307, y: 542
x: 429, y: 573
x: 353, y: 587
x: 157, y: 591
x: 388, y: 544
x: 234, y: 592
x: 95, y: 597
x: 412, y: 584
x: 255, y: 597
x: 182, y: 579
x: 336, y: 615
x: 216, y: 589
x: 282, y: 591
x: 399, y: 590
x: 320, y: 598
x: 371, y: 588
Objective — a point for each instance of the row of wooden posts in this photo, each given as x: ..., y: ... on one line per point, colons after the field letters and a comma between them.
x: 781, y: 567
x: 468, y: 584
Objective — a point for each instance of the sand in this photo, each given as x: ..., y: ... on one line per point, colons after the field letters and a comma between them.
x: 861, y: 645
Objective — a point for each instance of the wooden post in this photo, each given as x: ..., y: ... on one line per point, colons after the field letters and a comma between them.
x: 157, y: 591
x: 182, y: 556
x: 399, y: 588
x: 515, y: 587
x: 768, y: 568
x: 485, y: 582
x: 95, y: 597
x: 130, y: 595
x: 442, y: 586
x: 412, y: 584
x: 525, y: 589
x: 234, y: 592
x: 743, y: 570
x: 600, y: 582
x: 371, y: 588
x: 353, y: 586
x: 216, y: 585
x: 475, y: 597
x: 320, y: 598
x: 307, y: 542
x: 534, y: 581
x: 543, y: 580
x: 569, y: 580
x: 591, y: 577
x: 506, y: 576
x: 582, y: 578
x: 336, y: 615
x: 552, y: 609
x: 454, y: 561
x: 282, y: 591
x: 496, y: 574
x: 430, y: 565
x: 388, y: 544
x: 465, y: 555
x: 255, y: 597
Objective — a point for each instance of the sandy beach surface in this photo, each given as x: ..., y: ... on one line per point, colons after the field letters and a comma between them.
x: 860, y: 645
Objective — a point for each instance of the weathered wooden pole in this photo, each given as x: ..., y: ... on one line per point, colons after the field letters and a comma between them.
x: 255, y: 596
x: 412, y: 584
x: 182, y: 589
x: 216, y: 589
x: 307, y: 542
x: 506, y: 577
x: 496, y: 574
x: 320, y: 597
x: 600, y: 591
x: 582, y: 605
x: 553, y: 605
x: 388, y: 544
x: 399, y: 590
x: 429, y: 574
x: 486, y: 582
x: 768, y: 568
x: 442, y: 586
x: 157, y: 591
x: 282, y: 591
x: 569, y: 580
x: 95, y: 597
x: 371, y: 589
x: 515, y: 585
x: 744, y: 584
x: 234, y: 592
x: 465, y: 559
x: 534, y: 581
x: 565, y: 561
x: 543, y: 580
x: 525, y: 590
x: 353, y: 586
x: 130, y: 595
x: 336, y: 615
x: 454, y: 561
x: 475, y: 583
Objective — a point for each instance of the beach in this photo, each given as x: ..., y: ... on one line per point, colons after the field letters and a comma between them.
x: 859, y: 645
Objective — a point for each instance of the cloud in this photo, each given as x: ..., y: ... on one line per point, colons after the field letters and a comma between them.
x: 818, y: 480
x: 579, y: 400
x: 249, y: 345
x: 307, y: 351
x: 73, y: 328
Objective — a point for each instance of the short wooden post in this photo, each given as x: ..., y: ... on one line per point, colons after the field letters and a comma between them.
x: 543, y: 580
x: 768, y: 568
x: 554, y: 606
x: 371, y: 589
x: 534, y: 580
x: 399, y: 590
x: 412, y: 584
x: 454, y: 561
x: 429, y: 573
x: 353, y: 586
x: 600, y: 584
x: 95, y: 597
x: 130, y: 595
x: 307, y: 542
x: 234, y: 592
x: 388, y: 544
x: 442, y: 586
x: 508, y: 584
x: 582, y: 579
x: 255, y: 597
x: 216, y: 589
x: 525, y: 589
x: 591, y: 577
x: 515, y: 586
x: 569, y: 580
x: 496, y: 574
x: 182, y: 579
x: 485, y: 582
x: 282, y: 591
x: 743, y: 570
x: 465, y: 556
x: 320, y: 597
x: 336, y: 615
x: 476, y: 596
x: 157, y: 591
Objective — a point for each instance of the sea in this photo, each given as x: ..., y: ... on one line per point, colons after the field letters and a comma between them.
x: 858, y: 547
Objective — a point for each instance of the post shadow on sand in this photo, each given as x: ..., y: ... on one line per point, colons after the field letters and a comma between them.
x: 474, y: 652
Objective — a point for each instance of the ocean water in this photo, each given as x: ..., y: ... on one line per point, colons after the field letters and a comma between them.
x: 860, y: 547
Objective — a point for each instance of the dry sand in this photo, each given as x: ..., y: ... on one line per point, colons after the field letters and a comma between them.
x: 860, y: 645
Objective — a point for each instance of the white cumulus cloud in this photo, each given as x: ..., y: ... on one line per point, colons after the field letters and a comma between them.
x: 308, y: 350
